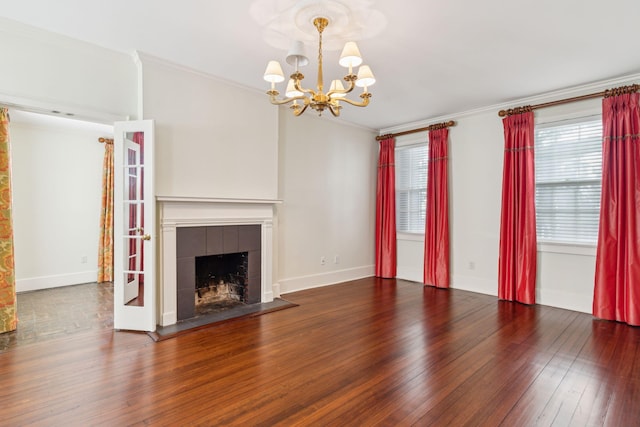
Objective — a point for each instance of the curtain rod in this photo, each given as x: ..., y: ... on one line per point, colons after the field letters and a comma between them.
x: 105, y: 140
x: 436, y: 126
x: 604, y: 94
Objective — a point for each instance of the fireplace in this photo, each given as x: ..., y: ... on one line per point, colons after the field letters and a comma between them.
x: 180, y: 215
x: 218, y: 268
x: 221, y: 282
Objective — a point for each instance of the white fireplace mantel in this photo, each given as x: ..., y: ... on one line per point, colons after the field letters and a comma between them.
x: 197, y: 211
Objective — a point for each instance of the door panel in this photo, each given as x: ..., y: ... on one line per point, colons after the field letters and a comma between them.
x: 134, y: 227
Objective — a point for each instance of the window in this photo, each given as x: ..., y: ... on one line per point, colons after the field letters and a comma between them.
x: 411, y: 187
x: 568, y: 162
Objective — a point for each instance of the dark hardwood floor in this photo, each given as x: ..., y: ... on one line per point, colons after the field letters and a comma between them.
x: 368, y: 352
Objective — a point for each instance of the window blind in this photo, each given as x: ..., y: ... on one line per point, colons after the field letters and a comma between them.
x: 568, y: 168
x: 411, y: 187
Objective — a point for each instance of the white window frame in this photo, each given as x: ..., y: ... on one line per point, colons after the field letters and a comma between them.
x: 573, y: 248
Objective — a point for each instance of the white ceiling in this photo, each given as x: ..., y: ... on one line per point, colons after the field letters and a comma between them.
x: 433, y: 58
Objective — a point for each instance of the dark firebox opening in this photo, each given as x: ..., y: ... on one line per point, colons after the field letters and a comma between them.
x: 221, y: 282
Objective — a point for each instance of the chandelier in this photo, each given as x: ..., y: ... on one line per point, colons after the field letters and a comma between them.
x: 317, y: 99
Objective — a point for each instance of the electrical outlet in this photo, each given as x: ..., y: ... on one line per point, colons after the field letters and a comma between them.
x: 336, y: 259
x: 83, y: 259
x: 472, y: 265
x: 323, y: 260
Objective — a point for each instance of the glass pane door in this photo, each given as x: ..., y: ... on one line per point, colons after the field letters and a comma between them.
x: 134, y: 226
x: 134, y: 218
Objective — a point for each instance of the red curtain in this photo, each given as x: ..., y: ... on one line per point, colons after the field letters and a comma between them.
x: 436, y: 238
x: 517, y: 261
x: 617, y: 281
x: 386, y: 211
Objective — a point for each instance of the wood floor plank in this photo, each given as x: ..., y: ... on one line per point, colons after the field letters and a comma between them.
x: 371, y: 352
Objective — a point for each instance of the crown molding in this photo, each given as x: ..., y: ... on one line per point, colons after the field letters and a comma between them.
x: 569, y: 92
x: 146, y: 57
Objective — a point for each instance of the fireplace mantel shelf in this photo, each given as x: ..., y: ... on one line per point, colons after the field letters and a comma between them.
x: 216, y: 200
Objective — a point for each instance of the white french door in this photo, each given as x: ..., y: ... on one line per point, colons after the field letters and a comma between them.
x: 134, y: 227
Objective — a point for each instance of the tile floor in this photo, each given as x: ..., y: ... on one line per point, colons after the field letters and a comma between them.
x: 52, y: 313
x: 58, y: 312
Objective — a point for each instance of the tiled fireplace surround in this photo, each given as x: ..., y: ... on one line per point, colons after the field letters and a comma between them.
x: 194, y: 242
x: 204, y: 213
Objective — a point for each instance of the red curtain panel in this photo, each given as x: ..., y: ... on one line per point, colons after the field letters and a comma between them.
x: 617, y: 280
x: 517, y: 258
x: 386, y: 211
x: 436, y: 238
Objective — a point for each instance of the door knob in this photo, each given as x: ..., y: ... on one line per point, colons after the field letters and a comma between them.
x: 146, y: 237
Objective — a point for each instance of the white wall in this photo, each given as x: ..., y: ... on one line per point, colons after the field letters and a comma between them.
x: 47, y: 71
x: 565, y: 273
x: 213, y: 139
x: 327, y: 181
x: 57, y: 168
x: 476, y: 154
x: 57, y: 179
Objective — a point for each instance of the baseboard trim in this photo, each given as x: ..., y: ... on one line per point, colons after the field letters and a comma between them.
x: 169, y: 318
x: 276, y: 289
x: 324, y: 279
x: 548, y: 297
x: 411, y: 274
x: 474, y: 284
x: 55, y: 281
x: 566, y: 300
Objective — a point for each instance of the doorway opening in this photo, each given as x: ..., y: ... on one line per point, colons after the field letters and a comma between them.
x: 56, y: 187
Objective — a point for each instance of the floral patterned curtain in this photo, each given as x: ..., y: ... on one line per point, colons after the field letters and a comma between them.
x: 105, y: 248
x: 8, y: 302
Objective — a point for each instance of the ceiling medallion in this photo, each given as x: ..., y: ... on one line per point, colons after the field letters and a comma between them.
x: 286, y: 20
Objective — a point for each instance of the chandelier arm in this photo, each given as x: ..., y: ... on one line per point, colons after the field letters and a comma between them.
x: 335, y: 110
x: 299, y: 111
x: 296, y: 84
x: 352, y: 85
x: 297, y: 79
x: 364, y: 103
x: 276, y: 101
